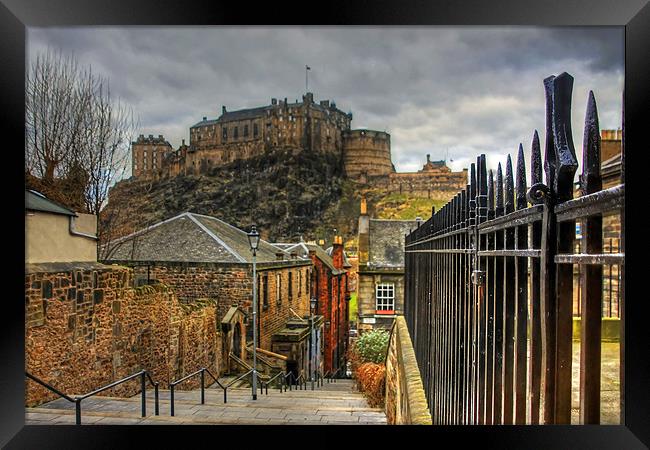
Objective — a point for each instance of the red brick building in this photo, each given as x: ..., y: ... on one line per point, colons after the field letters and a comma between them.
x: 329, y: 285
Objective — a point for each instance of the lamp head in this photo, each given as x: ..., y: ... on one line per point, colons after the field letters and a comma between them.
x: 254, y: 239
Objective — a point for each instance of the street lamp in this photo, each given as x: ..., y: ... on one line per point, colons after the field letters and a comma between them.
x: 254, y: 241
x: 312, y: 303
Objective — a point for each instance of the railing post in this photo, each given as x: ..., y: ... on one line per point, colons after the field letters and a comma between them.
x: 171, y: 399
x: 225, y: 395
x: 157, y: 408
x: 143, y: 386
x: 203, y: 386
x: 77, y: 412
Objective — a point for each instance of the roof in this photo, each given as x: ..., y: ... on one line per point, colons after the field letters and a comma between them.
x: 346, y: 261
x: 191, y: 237
x: 303, y: 249
x: 35, y: 201
x: 386, y: 242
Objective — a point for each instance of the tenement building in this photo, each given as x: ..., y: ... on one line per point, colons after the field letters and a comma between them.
x: 202, y: 257
x: 380, y: 284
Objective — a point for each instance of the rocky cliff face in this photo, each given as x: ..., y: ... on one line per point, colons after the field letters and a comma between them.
x: 285, y: 193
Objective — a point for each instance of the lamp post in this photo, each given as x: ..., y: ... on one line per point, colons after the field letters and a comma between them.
x: 254, y: 241
x: 312, y: 309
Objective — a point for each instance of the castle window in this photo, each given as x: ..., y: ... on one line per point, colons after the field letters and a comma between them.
x: 245, y: 130
x: 235, y: 133
x: 225, y: 133
x: 255, y: 130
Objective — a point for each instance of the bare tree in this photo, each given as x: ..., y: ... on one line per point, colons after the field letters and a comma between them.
x: 75, y: 129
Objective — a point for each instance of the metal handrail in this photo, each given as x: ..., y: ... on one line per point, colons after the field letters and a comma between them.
x: 201, y: 371
x: 278, y: 376
x: 143, y: 374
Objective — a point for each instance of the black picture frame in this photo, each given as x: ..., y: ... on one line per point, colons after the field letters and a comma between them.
x: 634, y: 15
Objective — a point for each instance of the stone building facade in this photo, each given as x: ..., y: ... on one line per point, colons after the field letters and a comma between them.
x: 148, y: 155
x: 307, y: 125
x: 203, y: 257
x: 380, y: 283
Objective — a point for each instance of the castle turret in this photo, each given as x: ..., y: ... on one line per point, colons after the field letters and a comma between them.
x: 366, y: 153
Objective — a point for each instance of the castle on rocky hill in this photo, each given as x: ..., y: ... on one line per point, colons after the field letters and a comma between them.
x: 302, y: 126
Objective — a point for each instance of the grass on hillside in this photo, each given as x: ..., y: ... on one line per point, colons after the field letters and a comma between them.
x: 406, y: 207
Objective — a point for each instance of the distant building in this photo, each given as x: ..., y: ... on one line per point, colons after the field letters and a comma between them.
x: 329, y: 285
x: 201, y: 257
x: 380, y: 285
x: 307, y: 125
x: 148, y: 155
x: 54, y: 234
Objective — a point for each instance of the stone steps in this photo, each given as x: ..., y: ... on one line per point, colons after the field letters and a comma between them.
x: 337, y: 405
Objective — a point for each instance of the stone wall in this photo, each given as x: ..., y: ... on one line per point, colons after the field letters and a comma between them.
x: 430, y: 184
x: 406, y: 402
x: 85, y: 327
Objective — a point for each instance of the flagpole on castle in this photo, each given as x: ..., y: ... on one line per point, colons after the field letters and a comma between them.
x: 307, y: 69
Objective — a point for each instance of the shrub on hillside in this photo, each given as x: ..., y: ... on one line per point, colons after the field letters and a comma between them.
x: 372, y: 346
x: 371, y: 381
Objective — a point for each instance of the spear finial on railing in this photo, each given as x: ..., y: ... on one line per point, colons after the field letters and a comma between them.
x: 499, y: 209
x: 490, y: 190
x: 549, y: 151
x: 535, y: 161
x: 521, y: 179
x: 591, y: 181
x: 566, y: 163
x: 509, y: 188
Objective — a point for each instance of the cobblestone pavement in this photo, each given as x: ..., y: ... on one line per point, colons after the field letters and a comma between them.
x: 333, y: 403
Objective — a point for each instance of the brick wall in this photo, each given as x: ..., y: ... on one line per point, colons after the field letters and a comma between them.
x: 274, y: 316
x: 87, y: 328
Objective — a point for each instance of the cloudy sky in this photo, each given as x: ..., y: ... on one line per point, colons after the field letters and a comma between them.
x: 452, y: 92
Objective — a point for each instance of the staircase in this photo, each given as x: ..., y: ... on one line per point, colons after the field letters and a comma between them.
x: 333, y: 403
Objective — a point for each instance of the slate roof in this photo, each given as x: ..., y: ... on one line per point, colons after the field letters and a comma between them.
x: 35, y: 201
x: 302, y: 249
x: 386, y: 242
x: 191, y: 237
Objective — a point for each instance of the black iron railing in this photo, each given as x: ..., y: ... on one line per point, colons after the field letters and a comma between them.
x: 143, y: 374
x: 489, y: 283
x: 202, y: 371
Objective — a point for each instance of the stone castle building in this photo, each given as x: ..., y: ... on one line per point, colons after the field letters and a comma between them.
x: 307, y: 125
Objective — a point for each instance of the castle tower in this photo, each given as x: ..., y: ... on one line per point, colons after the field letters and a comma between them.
x: 366, y: 153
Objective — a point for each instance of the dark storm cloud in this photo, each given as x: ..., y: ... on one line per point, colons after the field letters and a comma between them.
x: 446, y: 91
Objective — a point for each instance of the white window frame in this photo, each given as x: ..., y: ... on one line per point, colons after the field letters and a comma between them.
x: 385, y: 297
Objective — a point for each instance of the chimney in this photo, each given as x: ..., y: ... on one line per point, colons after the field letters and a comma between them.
x: 183, y: 142
x: 428, y: 159
x: 151, y: 136
x: 205, y: 118
x: 274, y: 101
x: 223, y: 109
x: 337, y: 252
x: 364, y: 229
x: 160, y: 136
x: 285, y: 101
